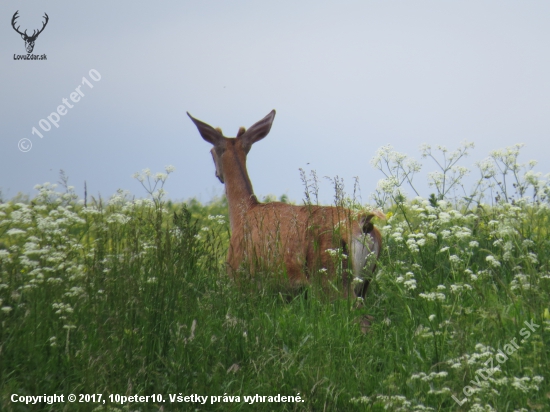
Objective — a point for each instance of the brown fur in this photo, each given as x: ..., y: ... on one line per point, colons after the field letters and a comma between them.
x: 272, y: 236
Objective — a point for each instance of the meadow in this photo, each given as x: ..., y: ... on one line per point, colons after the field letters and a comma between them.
x: 126, y: 296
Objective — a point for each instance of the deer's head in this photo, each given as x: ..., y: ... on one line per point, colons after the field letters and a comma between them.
x: 29, y: 40
x: 226, y: 150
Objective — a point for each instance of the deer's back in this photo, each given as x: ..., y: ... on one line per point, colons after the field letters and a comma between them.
x: 295, y: 239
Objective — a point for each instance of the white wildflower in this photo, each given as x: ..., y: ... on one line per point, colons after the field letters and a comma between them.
x: 357, y: 281
x: 454, y: 259
x: 433, y: 296
x: 15, y: 231
x: 492, y: 261
x: 410, y: 284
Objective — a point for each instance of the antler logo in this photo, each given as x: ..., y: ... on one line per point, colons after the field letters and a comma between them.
x: 29, y: 40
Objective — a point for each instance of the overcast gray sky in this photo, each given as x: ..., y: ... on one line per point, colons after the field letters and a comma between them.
x: 345, y: 77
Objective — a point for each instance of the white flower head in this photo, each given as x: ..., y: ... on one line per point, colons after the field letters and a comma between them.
x: 492, y: 261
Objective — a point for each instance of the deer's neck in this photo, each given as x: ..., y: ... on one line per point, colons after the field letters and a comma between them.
x: 238, y: 189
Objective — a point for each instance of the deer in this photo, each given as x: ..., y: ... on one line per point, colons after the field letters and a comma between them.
x: 299, y: 240
x: 29, y: 40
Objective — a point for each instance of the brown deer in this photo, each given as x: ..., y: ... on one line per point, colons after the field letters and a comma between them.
x: 299, y: 240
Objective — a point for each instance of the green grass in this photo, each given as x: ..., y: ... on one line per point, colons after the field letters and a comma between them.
x: 131, y: 297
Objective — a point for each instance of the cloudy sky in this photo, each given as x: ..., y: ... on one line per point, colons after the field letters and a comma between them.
x: 346, y: 77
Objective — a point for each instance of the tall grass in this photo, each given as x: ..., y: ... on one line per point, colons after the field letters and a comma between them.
x: 131, y: 297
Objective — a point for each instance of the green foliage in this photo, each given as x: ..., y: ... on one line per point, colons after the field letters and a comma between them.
x: 131, y: 297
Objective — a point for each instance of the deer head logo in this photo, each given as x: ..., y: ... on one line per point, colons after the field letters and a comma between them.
x: 29, y: 40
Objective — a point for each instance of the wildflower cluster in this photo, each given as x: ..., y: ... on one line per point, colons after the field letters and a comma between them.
x: 455, y: 264
x: 64, y: 262
x: 132, y: 295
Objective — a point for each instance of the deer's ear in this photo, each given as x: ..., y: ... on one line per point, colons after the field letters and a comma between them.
x: 208, y: 133
x: 23, y: 36
x: 257, y: 131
